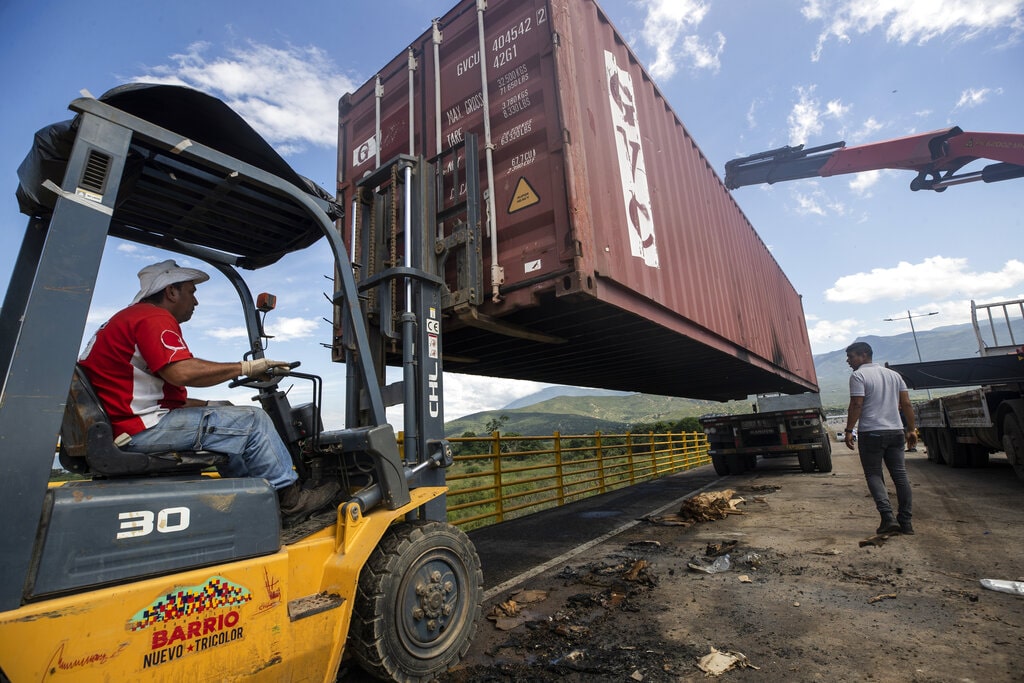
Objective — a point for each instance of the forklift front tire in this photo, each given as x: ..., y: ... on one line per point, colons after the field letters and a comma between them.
x: 417, y: 603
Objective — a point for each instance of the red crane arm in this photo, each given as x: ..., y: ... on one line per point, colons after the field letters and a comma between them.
x: 936, y: 156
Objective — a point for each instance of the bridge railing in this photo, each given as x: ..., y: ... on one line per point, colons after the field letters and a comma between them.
x: 496, y: 477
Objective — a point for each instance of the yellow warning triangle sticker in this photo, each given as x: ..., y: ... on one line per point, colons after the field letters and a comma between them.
x: 523, y: 197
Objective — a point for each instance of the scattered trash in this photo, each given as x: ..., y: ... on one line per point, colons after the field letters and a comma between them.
x: 704, y: 507
x: 830, y: 551
x: 525, y: 597
x: 507, y: 615
x: 633, y: 573
x: 718, y: 662
x: 752, y: 560
x: 637, y: 676
x: 711, y: 505
x: 571, y: 630
x: 1012, y: 587
x: 574, y: 656
x: 883, y: 596
x: 569, y: 573
x: 720, y: 564
x: 877, y: 540
x: 646, y: 545
x: 745, y: 579
x: 716, y: 549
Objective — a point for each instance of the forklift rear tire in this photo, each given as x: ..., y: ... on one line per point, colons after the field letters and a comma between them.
x: 417, y: 602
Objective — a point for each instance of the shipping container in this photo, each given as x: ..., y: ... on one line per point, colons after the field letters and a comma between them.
x: 618, y: 258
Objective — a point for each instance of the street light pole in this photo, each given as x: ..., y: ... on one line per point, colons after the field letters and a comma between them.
x: 914, y: 333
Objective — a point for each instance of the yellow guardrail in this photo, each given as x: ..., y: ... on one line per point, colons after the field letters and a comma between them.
x: 495, y: 478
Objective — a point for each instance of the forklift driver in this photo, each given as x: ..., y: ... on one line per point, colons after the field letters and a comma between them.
x: 139, y: 365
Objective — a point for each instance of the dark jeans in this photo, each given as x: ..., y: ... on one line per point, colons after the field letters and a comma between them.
x: 886, y: 446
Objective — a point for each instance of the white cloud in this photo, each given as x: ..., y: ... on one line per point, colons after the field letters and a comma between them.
x: 914, y: 21
x: 287, y: 329
x: 936, y: 276
x: 806, y: 118
x: 816, y: 202
x: 868, y: 130
x: 752, y: 113
x: 468, y: 394
x: 668, y: 30
x: 808, y: 204
x: 227, y: 333
x: 827, y: 334
x: 974, y: 97
x: 129, y: 249
x: 863, y: 182
x: 290, y: 95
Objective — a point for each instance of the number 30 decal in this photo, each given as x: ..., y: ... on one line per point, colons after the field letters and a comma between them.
x: 140, y: 523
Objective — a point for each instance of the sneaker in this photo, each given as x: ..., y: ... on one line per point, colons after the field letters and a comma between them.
x: 298, y: 503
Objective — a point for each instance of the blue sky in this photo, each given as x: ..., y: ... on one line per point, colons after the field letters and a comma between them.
x: 743, y: 75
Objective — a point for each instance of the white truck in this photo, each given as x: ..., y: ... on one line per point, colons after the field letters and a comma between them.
x: 782, y: 425
x: 963, y: 429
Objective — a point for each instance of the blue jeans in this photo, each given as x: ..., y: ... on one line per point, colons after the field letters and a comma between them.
x: 246, y: 434
x: 886, y: 446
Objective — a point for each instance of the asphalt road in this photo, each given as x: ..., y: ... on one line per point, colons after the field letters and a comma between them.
x: 518, y: 547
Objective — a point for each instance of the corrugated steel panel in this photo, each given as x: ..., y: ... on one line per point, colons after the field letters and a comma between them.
x: 614, y: 232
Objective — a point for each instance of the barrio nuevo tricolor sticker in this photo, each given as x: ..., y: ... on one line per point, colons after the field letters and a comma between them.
x: 191, y: 619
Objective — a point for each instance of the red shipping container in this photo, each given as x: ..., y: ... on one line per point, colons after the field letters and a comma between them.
x: 624, y: 262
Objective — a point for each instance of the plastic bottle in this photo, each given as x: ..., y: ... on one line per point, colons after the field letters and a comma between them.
x: 1014, y: 587
x: 721, y: 564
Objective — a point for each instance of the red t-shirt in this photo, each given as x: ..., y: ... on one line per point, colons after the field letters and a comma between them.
x: 121, y: 362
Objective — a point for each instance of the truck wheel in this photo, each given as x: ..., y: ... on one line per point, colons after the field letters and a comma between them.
x: 752, y: 461
x: 979, y: 455
x: 417, y: 602
x: 1013, y: 443
x: 954, y: 453
x: 806, y: 459
x: 720, y: 464
x: 737, y: 463
x: 931, y: 444
x: 823, y: 458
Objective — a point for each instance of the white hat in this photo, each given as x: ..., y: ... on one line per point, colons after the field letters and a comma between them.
x: 154, y: 278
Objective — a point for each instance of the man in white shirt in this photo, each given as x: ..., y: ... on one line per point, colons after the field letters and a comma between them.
x: 878, y: 396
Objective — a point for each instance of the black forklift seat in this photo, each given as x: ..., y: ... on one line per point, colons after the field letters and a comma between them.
x: 87, y: 442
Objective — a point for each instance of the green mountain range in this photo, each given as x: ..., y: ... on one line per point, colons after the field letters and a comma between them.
x: 574, y: 410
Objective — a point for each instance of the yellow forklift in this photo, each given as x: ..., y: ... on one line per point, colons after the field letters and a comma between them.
x: 150, y: 568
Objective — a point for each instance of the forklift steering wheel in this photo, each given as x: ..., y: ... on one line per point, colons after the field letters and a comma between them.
x: 275, y: 376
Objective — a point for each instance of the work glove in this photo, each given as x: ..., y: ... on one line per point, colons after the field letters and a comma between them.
x: 259, y: 366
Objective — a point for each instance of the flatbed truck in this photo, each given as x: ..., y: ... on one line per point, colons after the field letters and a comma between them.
x: 780, y: 426
x: 963, y: 429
